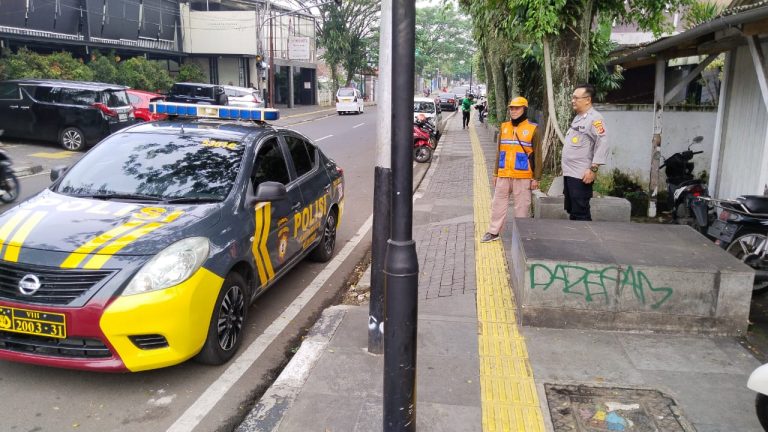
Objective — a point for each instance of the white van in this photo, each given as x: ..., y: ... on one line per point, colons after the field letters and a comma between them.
x: 349, y: 100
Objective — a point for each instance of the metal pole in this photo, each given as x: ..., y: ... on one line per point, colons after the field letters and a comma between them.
x: 382, y: 185
x: 401, y: 264
x: 271, y: 63
x: 658, y: 117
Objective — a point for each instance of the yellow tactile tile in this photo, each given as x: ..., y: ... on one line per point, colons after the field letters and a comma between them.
x: 508, y: 391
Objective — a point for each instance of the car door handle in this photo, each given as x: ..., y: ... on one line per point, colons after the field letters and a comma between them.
x: 296, y: 206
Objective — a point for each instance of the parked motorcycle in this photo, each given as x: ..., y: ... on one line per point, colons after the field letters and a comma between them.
x: 9, y: 184
x: 742, y: 230
x: 758, y: 382
x: 683, y: 189
x: 425, y: 138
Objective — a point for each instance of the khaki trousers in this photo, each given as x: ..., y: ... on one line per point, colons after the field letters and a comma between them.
x: 520, y: 191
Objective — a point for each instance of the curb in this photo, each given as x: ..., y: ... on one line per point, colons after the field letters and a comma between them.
x: 27, y: 170
x: 270, y: 410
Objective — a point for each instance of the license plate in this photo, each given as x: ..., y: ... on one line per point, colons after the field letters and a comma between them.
x: 722, y: 231
x: 32, y: 322
x: 122, y: 117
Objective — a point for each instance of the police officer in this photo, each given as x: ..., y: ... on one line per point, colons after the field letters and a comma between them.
x: 518, y: 167
x: 585, y: 149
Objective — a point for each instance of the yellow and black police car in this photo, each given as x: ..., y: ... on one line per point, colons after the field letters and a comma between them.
x: 149, y: 250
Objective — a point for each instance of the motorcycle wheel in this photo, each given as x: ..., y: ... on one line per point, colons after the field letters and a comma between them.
x: 684, y: 216
x: 422, y: 154
x: 9, y: 188
x: 761, y: 407
x: 743, y: 248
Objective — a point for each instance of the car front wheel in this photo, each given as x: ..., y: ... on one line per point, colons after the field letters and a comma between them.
x: 323, y: 252
x: 225, y: 331
x: 72, y: 139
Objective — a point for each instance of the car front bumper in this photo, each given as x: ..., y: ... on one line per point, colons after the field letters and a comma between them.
x: 127, y: 334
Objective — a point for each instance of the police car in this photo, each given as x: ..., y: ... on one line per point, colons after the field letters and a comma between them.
x: 149, y: 250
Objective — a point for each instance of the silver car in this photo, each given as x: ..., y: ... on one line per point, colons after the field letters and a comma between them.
x: 243, y: 97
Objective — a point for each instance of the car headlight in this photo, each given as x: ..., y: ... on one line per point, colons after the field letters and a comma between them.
x: 172, y: 266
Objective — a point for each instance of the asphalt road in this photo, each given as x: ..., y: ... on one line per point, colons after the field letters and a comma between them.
x: 47, y: 399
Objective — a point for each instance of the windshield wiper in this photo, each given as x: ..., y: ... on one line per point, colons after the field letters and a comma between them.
x: 127, y: 196
x: 182, y: 200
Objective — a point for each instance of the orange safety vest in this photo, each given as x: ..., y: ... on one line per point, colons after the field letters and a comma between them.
x: 515, y: 148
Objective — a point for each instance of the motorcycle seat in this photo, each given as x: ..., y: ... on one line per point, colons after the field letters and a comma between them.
x: 755, y: 203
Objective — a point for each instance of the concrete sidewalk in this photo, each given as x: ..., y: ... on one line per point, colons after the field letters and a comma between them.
x: 585, y: 380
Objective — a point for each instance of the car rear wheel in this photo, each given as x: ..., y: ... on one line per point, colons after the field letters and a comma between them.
x: 323, y: 252
x: 225, y: 331
x: 72, y: 139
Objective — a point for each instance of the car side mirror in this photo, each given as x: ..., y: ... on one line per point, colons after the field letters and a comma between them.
x: 58, y: 171
x: 269, y: 191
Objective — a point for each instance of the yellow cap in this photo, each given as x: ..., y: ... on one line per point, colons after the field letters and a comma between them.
x: 519, y: 102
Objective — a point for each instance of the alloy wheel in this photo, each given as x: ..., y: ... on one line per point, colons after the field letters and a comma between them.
x: 231, y: 317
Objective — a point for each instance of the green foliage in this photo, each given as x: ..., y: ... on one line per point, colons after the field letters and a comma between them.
x: 191, y: 72
x: 104, y: 67
x: 624, y: 186
x: 143, y: 74
x: 701, y: 12
x: 600, y: 46
x: 28, y: 64
x: 348, y: 34
x: 443, y: 41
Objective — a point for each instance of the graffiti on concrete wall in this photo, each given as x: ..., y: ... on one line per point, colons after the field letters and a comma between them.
x: 598, y: 284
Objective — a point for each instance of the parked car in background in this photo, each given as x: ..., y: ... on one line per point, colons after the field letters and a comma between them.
x: 448, y: 101
x: 140, y: 101
x: 243, y: 97
x: 75, y: 114
x: 460, y: 92
x: 428, y: 107
x: 198, y: 93
x: 349, y: 100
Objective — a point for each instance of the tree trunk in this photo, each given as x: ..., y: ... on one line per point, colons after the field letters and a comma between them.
x: 489, y: 82
x: 570, y: 67
x: 499, y: 84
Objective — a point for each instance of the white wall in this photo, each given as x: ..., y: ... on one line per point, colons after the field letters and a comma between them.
x: 218, y: 32
x: 745, y: 132
x: 630, y: 130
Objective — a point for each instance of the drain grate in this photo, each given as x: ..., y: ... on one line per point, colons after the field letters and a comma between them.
x: 603, y: 409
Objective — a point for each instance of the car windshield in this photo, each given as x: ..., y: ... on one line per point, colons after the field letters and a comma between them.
x: 116, y: 98
x: 447, y: 95
x: 157, y: 166
x: 346, y: 92
x: 424, y: 107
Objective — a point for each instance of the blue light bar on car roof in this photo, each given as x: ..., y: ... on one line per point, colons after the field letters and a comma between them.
x: 214, y: 111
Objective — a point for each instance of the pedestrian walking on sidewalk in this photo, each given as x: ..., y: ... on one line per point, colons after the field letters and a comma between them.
x: 466, y: 107
x: 518, y: 167
x: 585, y: 149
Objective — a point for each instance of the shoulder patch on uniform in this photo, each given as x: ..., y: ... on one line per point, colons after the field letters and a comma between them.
x: 598, y: 124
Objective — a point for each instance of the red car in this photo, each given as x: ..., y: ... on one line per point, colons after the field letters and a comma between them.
x: 140, y: 100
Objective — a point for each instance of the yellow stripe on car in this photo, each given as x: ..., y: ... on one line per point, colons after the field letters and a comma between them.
x: 76, y: 257
x: 14, y: 246
x: 106, y: 252
x: 260, y: 253
x: 180, y: 313
x: 7, y: 229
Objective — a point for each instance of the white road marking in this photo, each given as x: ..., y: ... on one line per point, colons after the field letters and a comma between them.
x: 211, y: 396
x: 357, y: 126
x: 320, y: 139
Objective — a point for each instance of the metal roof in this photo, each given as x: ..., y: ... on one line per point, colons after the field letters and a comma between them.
x: 720, y: 34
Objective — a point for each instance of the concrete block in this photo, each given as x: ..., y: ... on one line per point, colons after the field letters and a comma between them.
x: 556, y: 188
x: 605, y: 209
x: 623, y: 276
x: 735, y: 295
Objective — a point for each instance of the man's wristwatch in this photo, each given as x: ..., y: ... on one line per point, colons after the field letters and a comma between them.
x: 594, y: 168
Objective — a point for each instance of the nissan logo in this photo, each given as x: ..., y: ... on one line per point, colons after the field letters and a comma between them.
x: 29, y: 284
